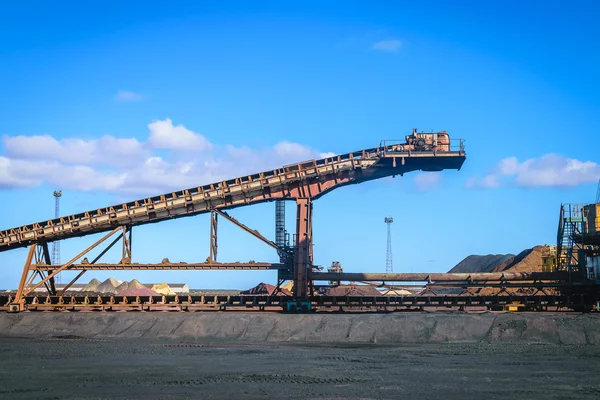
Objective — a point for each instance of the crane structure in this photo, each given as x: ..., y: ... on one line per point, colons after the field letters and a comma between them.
x: 302, y: 183
x: 389, y: 265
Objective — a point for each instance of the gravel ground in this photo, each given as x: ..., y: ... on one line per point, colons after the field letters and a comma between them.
x: 71, y: 367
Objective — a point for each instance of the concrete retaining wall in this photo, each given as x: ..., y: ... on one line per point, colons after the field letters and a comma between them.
x: 324, y: 328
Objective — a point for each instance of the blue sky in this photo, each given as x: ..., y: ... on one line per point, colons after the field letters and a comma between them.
x: 113, y: 102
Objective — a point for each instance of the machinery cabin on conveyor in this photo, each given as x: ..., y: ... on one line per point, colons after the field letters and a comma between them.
x: 439, y: 141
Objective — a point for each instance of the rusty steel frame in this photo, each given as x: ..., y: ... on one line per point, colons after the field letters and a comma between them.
x: 38, y: 252
x: 309, y: 179
x: 30, y: 269
x: 34, y: 268
x: 214, y: 237
x: 303, y: 254
x: 303, y: 182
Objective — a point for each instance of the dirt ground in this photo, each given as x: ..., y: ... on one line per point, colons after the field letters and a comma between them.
x: 118, y: 368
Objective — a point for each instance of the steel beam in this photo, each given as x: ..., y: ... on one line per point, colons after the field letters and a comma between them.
x: 214, y: 221
x: 25, y: 288
x: 303, y: 259
x: 48, y: 260
x: 23, y: 282
x: 126, y: 250
x: 68, y: 285
x: 169, y: 266
x: 437, y: 277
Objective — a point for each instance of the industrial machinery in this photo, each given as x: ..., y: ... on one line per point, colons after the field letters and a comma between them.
x: 549, y: 259
x: 578, y: 240
x: 302, y: 183
x: 577, y: 251
x: 439, y: 141
x: 590, y: 241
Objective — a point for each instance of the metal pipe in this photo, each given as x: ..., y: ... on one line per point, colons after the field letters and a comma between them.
x: 168, y: 266
x: 437, y: 277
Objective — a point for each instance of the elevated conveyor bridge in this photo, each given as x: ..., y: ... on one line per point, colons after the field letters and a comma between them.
x: 302, y: 182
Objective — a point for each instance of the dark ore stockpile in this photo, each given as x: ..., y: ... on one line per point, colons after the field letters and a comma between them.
x: 268, y: 355
x: 71, y: 367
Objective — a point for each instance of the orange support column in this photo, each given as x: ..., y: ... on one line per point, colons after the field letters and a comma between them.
x: 303, y: 250
x: 17, y: 304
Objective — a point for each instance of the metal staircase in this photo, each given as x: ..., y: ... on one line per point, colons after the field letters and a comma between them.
x: 570, y: 238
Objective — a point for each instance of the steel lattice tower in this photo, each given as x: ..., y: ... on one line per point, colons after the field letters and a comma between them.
x: 280, y: 223
x: 389, y: 267
x: 56, y: 245
x: 281, y: 238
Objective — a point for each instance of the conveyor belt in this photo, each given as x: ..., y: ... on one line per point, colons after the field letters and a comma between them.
x: 310, y: 179
x: 185, y: 302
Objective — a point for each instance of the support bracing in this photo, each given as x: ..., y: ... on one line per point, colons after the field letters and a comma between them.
x: 303, y: 253
x: 103, y: 252
x: 277, y: 290
x: 302, y: 182
x: 126, y: 252
x: 253, y: 232
x: 32, y: 269
x: 48, y: 261
x: 68, y: 285
x: 214, y: 234
x: 214, y: 221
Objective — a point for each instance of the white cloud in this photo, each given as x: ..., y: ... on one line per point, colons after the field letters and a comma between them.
x: 9, y: 175
x: 390, y: 45
x: 108, y: 150
x: 164, y: 135
x: 126, y: 95
x: 280, y: 154
x: 488, y: 182
x: 550, y: 170
x: 292, y: 150
x: 129, y: 166
x: 427, y: 180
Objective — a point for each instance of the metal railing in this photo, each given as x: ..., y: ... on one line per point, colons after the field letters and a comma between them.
x: 400, y: 146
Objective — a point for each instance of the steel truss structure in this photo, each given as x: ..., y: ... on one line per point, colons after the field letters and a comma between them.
x: 302, y: 183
